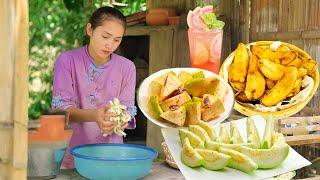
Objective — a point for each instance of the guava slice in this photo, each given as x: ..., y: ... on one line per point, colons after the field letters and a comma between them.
x: 189, y: 156
x: 213, y: 160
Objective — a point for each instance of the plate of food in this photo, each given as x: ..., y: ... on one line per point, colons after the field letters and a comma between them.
x: 182, y: 96
x: 247, y: 148
x: 270, y: 78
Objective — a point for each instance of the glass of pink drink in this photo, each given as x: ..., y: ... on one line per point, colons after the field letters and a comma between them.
x: 205, y: 49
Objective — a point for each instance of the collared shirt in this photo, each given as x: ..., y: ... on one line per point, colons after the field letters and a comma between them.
x: 78, y: 82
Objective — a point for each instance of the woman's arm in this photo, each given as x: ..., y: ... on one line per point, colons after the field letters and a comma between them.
x: 82, y: 115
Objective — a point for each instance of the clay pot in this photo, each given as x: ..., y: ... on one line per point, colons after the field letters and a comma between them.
x: 159, y: 16
x: 51, y: 129
x: 174, y: 20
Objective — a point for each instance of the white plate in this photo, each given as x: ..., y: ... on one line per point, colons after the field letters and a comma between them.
x: 224, y: 89
x: 292, y: 162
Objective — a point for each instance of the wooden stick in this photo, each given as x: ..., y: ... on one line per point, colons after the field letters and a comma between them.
x: 303, y: 139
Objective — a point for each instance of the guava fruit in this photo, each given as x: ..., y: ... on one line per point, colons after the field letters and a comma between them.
x: 210, y: 131
x: 267, y: 158
x: 213, y: 160
x: 189, y: 156
x: 175, y: 101
x: 177, y: 117
x: 197, y: 130
x: 239, y: 161
x: 154, y: 107
x: 253, y: 136
x: 195, y: 140
x: 193, y: 110
x: 268, y: 131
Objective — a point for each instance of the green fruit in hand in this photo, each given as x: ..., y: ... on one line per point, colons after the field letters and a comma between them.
x: 154, y: 107
x: 239, y: 161
x: 197, y: 130
x: 268, y: 131
x: 195, y: 140
x: 267, y: 158
x: 210, y: 131
x: 252, y: 133
x: 235, y: 134
x: 189, y: 156
x: 213, y: 160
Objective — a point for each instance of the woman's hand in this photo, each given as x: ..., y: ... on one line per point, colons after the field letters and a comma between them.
x: 103, y: 120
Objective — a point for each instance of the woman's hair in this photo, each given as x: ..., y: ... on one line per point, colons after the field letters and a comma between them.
x: 106, y: 13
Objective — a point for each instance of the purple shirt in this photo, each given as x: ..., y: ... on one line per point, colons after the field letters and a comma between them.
x: 78, y: 82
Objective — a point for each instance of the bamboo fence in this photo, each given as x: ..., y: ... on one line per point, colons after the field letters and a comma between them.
x: 14, y: 27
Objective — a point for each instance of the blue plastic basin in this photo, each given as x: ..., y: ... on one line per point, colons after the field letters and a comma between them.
x: 113, y: 161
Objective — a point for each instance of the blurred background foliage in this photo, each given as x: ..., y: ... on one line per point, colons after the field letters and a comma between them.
x: 57, y: 26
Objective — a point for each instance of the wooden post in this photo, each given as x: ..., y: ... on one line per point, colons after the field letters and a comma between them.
x: 14, y: 24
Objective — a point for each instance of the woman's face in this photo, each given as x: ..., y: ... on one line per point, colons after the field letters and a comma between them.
x: 105, y: 39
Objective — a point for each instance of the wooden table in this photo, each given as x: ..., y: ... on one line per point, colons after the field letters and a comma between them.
x: 159, y: 171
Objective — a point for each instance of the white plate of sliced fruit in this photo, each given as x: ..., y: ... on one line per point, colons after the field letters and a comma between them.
x: 182, y: 96
x: 248, y: 148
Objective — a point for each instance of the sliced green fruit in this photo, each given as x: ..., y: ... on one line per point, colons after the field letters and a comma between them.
x: 196, y: 99
x: 177, y: 117
x: 193, y: 110
x: 154, y: 107
x: 224, y: 135
x: 199, y: 87
x: 155, y: 88
x: 184, y: 76
x: 172, y: 84
x: 278, y: 139
x: 198, y: 74
x: 267, y: 158
x: 212, y: 145
x: 210, y: 131
x: 195, y: 140
x: 212, y: 107
x: 240, y: 161
x: 189, y: 156
x: 268, y: 131
x: 197, y: 130
x: 235, y: 134
x: 213, y: 160
x: 177, y: 101
x: 253, y: 136
x: 162, y: 79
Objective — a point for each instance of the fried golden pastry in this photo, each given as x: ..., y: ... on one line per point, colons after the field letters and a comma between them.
x: 271, y: 70
x: 237, y: 71
x: 255, y: 84
x: 270, y: 83
x: 283, y: 87
x: 296, y: 88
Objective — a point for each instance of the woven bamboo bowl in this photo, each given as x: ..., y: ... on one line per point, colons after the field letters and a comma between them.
x: 249, y: 111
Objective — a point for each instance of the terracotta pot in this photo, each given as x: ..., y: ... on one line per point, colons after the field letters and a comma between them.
x: 174, y: 20
x: 51, y: 129
x: 159, y: 16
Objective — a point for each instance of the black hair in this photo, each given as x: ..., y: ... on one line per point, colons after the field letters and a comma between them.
x: 106, y: 13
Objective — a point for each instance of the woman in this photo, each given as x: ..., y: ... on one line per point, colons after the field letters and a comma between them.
x: 86, y: 79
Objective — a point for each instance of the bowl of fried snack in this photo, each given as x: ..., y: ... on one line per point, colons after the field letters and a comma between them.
x: 270, y: 78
